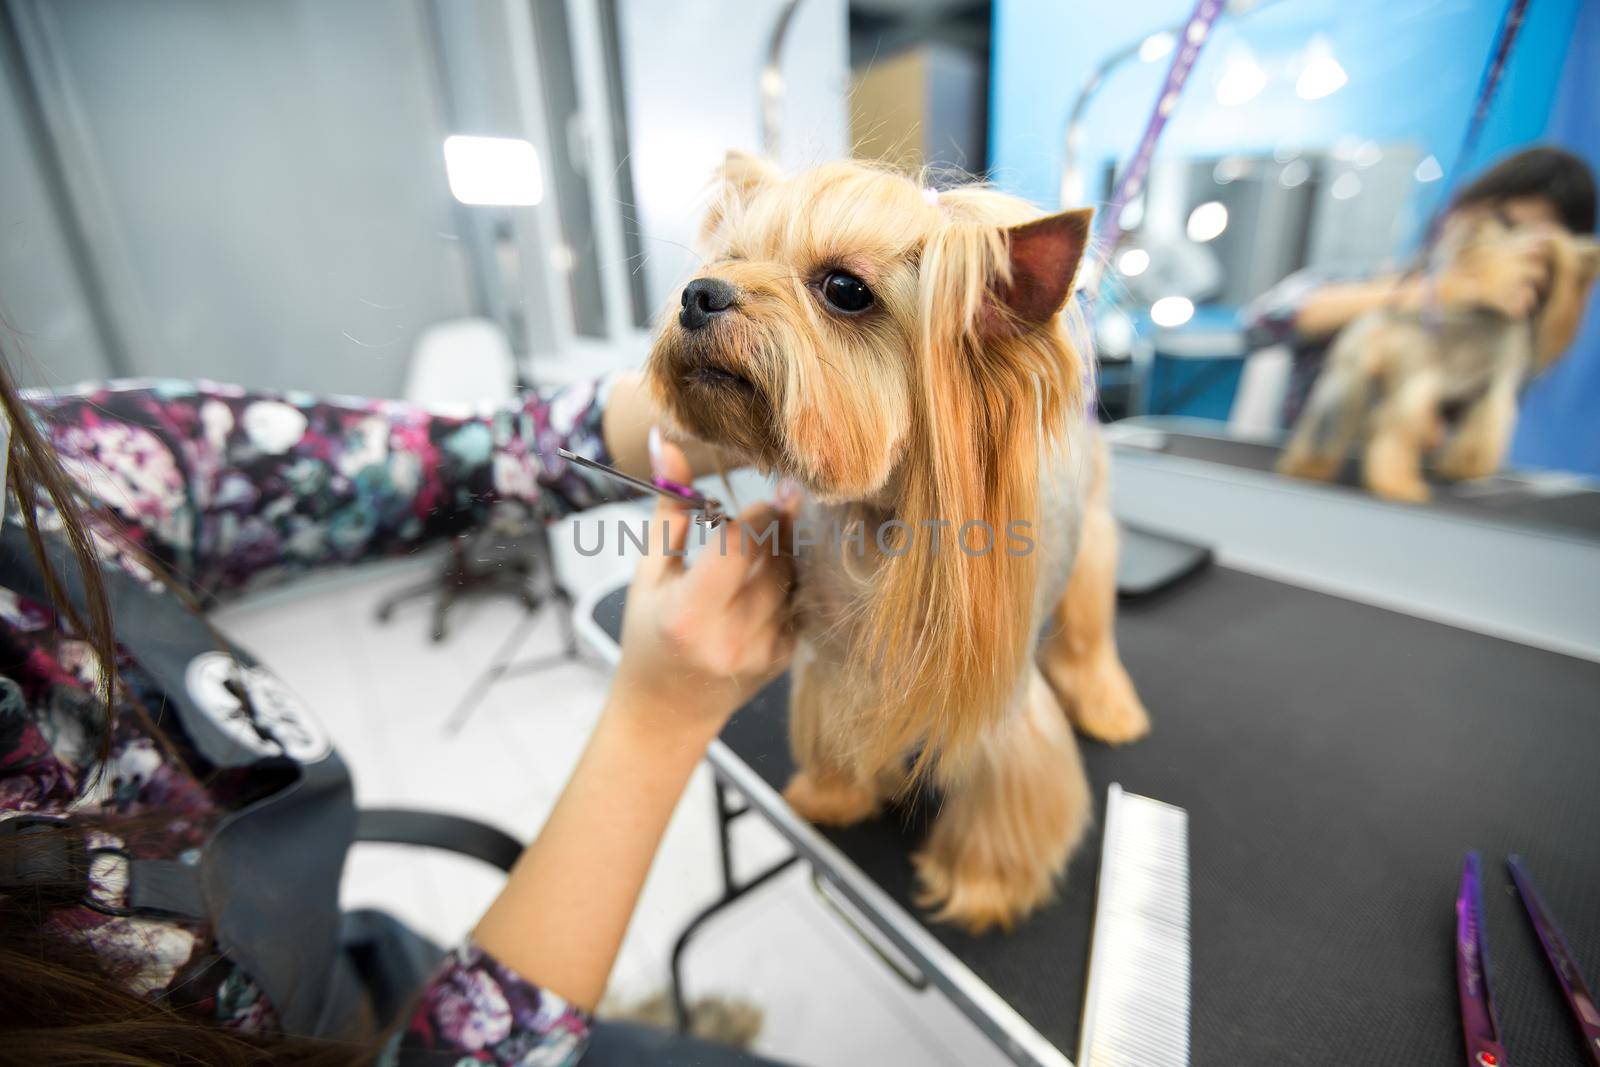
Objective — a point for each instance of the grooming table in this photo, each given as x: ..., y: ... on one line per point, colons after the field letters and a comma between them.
x: 1337, y: 759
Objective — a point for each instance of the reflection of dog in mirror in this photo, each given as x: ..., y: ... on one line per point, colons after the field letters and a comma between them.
x: 903, y: 355
x: 1404, y: 385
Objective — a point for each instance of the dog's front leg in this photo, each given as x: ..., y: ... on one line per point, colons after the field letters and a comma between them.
x: 1079, y: 657
x: 1404, y: 426
x: 1479, y: 447
x: 827, y: 788
x: 1013, y: 813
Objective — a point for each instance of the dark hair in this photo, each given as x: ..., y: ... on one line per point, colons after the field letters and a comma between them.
x: 61, y: 1001
x: 34, y: 466
x: 1553, y: 174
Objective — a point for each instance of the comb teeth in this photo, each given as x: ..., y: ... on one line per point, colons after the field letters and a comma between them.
x: 1136, y: 1003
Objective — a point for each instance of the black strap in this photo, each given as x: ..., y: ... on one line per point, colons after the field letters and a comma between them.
x: 39, y: 854
x: 52, y: 854
x: 170, y: 887
x: 431, y: 829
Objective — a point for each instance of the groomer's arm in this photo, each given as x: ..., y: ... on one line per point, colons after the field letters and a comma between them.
x: 1506, y: 277
x: 630, y: 412
x: 697, y: 642
x: 1334, y: 306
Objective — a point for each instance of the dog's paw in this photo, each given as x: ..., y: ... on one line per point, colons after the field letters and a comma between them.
x: 1100, y: 701
x: 1404, y: 490
x: 973, y: 898
x: 1116, y: 719
x: 830, y: 802
x: 1465, y: 464
x: 1311, y: 467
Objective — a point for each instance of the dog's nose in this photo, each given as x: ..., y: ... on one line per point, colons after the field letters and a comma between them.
x: 703, y: 298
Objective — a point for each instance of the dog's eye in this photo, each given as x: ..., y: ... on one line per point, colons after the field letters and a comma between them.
x: 846, y: 292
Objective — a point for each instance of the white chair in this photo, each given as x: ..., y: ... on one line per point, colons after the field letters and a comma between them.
x: 1258, y: 402
x: 465, y: 361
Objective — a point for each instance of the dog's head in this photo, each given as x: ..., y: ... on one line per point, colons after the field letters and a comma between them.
x: 838, y: 310
x: 1574, y: 264
x: 882, y: 343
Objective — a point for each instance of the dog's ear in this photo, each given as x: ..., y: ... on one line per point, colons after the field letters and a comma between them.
x: 1576, y: 262
x: 1045, y: 255
x: 735, y: 183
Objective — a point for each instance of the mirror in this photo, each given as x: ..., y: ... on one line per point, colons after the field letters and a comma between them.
x: 1301, y: 192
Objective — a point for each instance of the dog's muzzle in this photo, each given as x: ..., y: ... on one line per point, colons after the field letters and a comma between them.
x: 703, y: 300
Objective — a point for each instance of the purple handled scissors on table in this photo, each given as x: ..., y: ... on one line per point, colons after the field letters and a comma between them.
x: 708, y: 509
x: 1579, y: 999
x: 1479, y: 1025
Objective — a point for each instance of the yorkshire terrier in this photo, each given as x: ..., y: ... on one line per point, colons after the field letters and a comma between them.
x: 1407, y: 386
x: 905, y: 356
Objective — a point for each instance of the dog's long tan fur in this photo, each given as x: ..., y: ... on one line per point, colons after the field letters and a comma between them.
x: 957, y: 398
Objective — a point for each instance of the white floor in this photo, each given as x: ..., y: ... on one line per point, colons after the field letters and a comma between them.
x: 384, y: 692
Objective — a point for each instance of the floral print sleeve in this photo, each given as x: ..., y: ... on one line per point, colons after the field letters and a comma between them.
x: 231, y: 488
x: 1269, y: 318
x: 477, y: 1010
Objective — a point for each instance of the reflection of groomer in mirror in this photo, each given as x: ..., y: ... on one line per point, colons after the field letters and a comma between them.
x: 1430, y: 362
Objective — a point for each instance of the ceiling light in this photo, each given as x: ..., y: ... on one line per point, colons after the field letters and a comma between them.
x: 1242, y: 79
x: 1132, y: 214
x: 1229, y: 170
x: 1133, y: 262
x: 502, y: 171
x: 1156, y: 46
x: 1172, y: 311
x: 1207, y: 221
x: 1322, y: 75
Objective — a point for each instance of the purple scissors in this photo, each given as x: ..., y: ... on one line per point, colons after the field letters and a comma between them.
x: 1479, y: 1024
x: 708, y: 509
x: 1555, y: 947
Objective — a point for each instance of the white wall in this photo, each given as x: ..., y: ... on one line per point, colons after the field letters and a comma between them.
x: 690, y: 70
x: 261, y: 182
x: 261, y: 192
x: 55, y: 340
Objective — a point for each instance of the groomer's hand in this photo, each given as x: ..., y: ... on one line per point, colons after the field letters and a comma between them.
x: 1507, y: 276
x: 699, y: 640
x: 696, y: 642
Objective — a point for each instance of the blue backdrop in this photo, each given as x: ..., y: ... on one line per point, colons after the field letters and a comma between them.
x: 1413, y: 68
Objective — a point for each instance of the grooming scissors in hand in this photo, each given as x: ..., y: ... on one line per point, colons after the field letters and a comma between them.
x: 708, y: 510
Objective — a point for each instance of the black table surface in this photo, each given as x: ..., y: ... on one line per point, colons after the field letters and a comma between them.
x: 1574, y: 512
x: 1336, y: 760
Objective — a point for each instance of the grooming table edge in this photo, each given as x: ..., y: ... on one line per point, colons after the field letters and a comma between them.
x: 1522, y: 582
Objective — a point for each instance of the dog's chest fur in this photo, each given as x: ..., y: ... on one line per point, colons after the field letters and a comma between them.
x: 835, y: 577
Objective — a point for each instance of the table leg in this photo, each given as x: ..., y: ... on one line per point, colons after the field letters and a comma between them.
x: 731, y: 891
